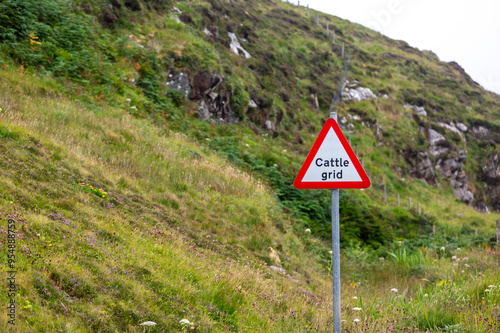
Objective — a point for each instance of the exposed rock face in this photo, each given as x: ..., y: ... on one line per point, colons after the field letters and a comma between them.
x: 358, y: 94
x: 212, y: 104
x: 418, y: 109
x: 491, y: 176
x: 422, y: 166
x: 437, y: 142
x: 180, y: 82
x: 451, y: 127
x: 479, y: 132
x: 452, y: 169
x: 235, y: 45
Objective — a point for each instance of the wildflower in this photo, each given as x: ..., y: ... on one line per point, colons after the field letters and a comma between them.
x: 487, y: 290
x: 491, y: 286
x: 454, y: 258
x: 148, y: 323
x: 185, y: 322
x: 354, y: 297
x: 442, y: 248
x: 465, y: 259
x: 458, y: 249
x: 308, y: 231
x: 425, y: 295
x: 381, y: 258
x: 394, y: 290
x: 357, y: 309
x: 356, y: 320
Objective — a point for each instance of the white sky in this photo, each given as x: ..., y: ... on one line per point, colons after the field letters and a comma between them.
x: 467, y: 32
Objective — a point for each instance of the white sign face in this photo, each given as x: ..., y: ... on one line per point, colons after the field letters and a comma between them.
x: 331, y: 163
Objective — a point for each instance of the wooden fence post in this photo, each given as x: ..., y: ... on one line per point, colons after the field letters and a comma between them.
x: 434, y: 230
x: 419, y: 211
x: 498, y: 231
x: 410, y: 203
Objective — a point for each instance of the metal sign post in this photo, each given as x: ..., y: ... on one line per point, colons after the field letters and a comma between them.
x: 336, y: 260
x: 335, y: 254
x: 332, y: 164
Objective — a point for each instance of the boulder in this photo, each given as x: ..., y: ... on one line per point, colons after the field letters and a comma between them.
x: 235, y: 45
x: 418, y: 109
x: 452, y: 169
x: 462, y: 127
x: 491, y: 176
x: 479, y: 132
x: 358, y: 94
x: 423, y: 168
x: 180, y: 82
x: 437, y: 142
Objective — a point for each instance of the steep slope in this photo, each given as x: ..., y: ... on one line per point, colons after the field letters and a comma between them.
x: 149, y: 150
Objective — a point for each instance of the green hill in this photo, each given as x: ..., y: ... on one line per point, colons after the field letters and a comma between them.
x: 148, y: 151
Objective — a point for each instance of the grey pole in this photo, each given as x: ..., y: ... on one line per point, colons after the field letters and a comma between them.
x: 335, y: 254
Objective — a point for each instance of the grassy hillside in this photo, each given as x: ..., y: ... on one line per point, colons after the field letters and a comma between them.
x: 130, y: 208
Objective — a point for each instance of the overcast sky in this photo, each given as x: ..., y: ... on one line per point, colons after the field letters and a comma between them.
x: 467, y: 32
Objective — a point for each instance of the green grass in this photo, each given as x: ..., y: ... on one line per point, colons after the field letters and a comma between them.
x: 130, y: 209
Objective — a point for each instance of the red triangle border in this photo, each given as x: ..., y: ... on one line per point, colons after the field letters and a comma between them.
x: 365, y: 181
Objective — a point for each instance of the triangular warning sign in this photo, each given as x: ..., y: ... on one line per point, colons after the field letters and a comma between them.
x: 331, y: 163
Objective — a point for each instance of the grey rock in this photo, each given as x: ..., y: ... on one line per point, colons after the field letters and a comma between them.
x: 418, y: 109
x: 180, y: 82
x: 451, y: 127
x: 464, y: 195
x: 269, y: 125
x: 235, y: 45
x: 358, y: 94
x: 423, y: 168
x: 203, y: 110
x: 252, y: 104
x: 462, y: 127
x: 278, y: 269
x: 479, y: 132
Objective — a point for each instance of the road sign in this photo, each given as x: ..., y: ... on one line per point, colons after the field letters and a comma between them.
x: 331, y: 163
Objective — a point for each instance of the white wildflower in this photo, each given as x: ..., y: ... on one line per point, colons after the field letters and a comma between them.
x: 458, y: 249
x: 357, y: 309
x: 454, y: 258
x: 466, y: 265
x: 465, y: 259
x: 381, y: 258
x: 356, y: 320
x: 354, y: 297
x: 307, y: 231
x: 426, y: 295
x: 185, y: 322
x: 442, y: 248
x: 148, y: 323
x: 394, y: 290
x: 487, y: 290
x: 491, y: 286
x: 246, y: 144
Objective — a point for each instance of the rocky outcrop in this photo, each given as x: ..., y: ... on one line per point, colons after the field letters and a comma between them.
x: 422, y: 167
x: 213, y: 98
x: 418, y: 109
x: 479, y: 132
x: 491, y: 177
x: 437, y: 142
x: 180, y: 82
x: 358, y: 94
x: 235, y: 45
x: 452, y: 169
